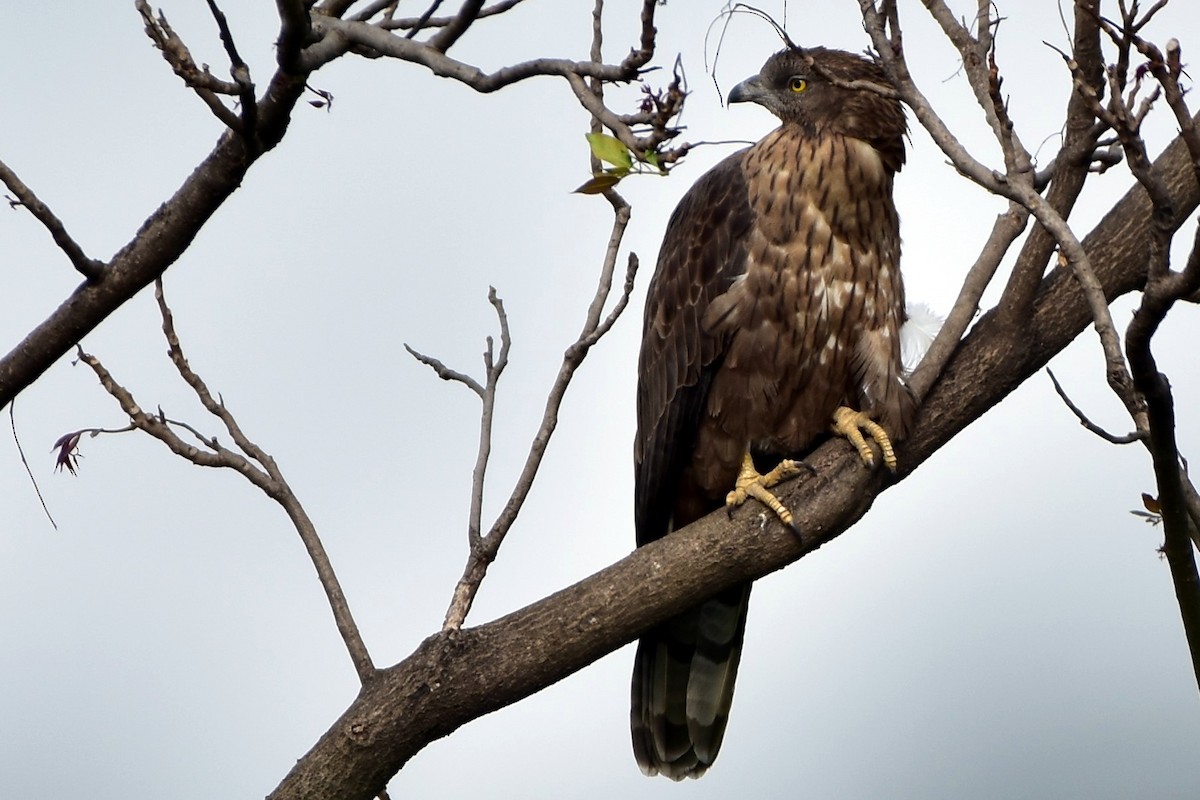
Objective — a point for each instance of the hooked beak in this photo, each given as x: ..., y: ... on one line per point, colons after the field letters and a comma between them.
x: 748, y: 91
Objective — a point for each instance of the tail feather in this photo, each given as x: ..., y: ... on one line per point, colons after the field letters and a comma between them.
x: 683, y: 679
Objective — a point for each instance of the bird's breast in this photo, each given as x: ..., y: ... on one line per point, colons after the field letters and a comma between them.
x: 821, y: 267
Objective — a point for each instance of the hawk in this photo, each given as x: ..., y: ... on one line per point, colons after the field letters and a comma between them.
x: 774, y: 313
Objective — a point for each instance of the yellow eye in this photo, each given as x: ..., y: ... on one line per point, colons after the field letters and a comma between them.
x: 797, y: 84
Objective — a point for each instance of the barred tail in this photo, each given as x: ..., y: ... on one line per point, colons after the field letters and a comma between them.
x: 683, y: 679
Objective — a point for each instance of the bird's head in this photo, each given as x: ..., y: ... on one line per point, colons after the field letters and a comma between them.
x: 828, y: 91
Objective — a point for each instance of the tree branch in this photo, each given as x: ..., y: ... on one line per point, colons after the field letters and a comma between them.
x: 206, y: 85
x: 162, y: 238
x: 482, y: 555
x: 415, y: 24
x: 1128, y: 438
x: 269, y: 479
x: 1007, y: 228
x: 90, y: 268
x: 238, y: 70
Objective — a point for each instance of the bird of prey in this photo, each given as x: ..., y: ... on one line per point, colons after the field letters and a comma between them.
x: 773, y: 318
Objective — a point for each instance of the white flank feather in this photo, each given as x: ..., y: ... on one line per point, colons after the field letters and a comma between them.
x: 917, y: 334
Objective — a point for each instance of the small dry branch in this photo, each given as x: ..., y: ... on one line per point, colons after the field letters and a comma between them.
x: 252, y: 462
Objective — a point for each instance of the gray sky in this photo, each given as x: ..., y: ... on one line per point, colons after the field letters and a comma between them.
x: 998, y: 626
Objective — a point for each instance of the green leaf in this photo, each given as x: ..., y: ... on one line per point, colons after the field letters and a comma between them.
x: 601, y: 181
x: 610, y: 150
x: 652, y: 159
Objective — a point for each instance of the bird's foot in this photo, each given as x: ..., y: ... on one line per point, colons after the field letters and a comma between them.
x: 852, y: 424
x: 752, y: 484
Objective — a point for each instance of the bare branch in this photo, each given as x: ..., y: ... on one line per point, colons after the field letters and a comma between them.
x: 206, y: 85
x: 239, y: 71
x: 445, y: 373
x: 979, y: 64
x: 295, y: 33
x: 269, y: 479
x: 90, y: 268
x: 414, y: 24
x: 338, y: 8
x: 1128, y: 438
x: 337, y: 36
x: 12, y: 420
x: 447, y: 36
x: 1016, y: 184
x: 1007, y: 228
x: 594, y: 327
x: 495, y: 368
x: 891, y: 56
x: 214, y: 406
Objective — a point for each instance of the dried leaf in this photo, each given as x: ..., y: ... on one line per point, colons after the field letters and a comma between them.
x: 600, y: 182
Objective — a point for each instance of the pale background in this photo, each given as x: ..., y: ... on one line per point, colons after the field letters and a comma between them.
x: 998, y: 626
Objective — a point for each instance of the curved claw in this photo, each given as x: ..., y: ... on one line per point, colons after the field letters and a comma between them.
x: 851, y: 424
x: 752, y: 484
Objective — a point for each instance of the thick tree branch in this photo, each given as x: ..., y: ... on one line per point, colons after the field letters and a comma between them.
x: 444, y: 39
x: 295, y: 33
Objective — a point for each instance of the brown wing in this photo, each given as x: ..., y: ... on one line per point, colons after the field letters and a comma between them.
x: 701, y: 254
x: 684, y: 670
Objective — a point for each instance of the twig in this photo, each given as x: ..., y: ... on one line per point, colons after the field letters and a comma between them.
x: 424, y: 18
x: 979, y: 64
x: 207, y: 86
x: 493, y: 369
x: 415, y: 24
x: 239, y: 72
x: 1128, y: 438
x: 445, y: 373
x: 90, y: 268
x: 21, y: 452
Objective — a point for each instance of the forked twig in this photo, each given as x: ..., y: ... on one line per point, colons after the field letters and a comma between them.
x: 253, y: 463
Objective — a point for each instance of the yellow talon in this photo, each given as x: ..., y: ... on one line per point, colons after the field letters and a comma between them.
x: 851, y: 424
x: 752, y: 484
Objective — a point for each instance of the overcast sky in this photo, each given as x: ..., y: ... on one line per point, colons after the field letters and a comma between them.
x: 998, y: 626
